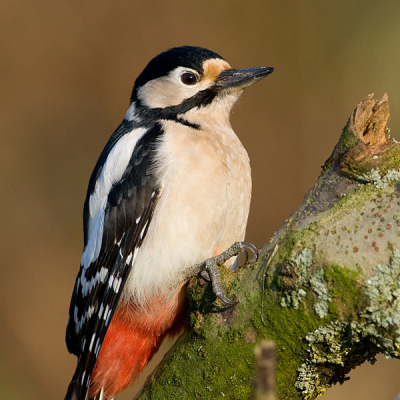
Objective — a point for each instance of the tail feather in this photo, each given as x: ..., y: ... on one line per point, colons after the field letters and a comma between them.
x: 100, y: 396
x: 73, y: 389
x: 73, y: 392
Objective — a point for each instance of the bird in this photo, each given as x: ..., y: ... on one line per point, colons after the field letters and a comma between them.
x: 171, y: 188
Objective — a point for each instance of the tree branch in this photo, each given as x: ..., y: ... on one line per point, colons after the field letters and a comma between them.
x: 326, y: 289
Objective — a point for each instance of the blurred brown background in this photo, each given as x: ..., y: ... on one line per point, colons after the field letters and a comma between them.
x: 66, y: 73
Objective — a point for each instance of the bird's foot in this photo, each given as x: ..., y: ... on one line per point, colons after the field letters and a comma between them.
x: 209, y: 271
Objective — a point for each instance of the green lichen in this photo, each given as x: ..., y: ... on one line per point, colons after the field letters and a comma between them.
x: 307, y: 277
x: 293, y: 298
x: 320, y: 289
x: 380, y: 181
x: 309, y: 383
x: 303, y: 260
x: 383, y: 292
x: 339, y: 346
x: 301, y: 263
x: 326, y: 347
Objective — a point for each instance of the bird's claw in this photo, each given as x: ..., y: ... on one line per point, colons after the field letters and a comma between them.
x: 219, y: 292
x: 205, y: 275
x: 247, y: 246
x: 209, y: 271
x: 222, y: 297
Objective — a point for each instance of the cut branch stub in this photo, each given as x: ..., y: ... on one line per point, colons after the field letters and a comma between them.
x: 365, y: 143
x: 373, y: 148
x: 369, y: 120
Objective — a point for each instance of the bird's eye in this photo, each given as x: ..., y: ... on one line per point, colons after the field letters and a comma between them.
x: 188, y: 78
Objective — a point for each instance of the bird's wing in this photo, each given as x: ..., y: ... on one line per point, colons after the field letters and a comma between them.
x: 121, y: 199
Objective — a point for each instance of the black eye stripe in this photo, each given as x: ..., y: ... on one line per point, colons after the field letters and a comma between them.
x: 189, y: 78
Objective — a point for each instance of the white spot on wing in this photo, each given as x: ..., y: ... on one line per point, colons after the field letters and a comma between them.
x: 113, y: 169
x: 106, y: 311
x: 129, y: 258
x: 144, y: 230
x: 101, y: 310
x: 108, y: 318
x: 117, y: 284
x: 87, y: 286
x: 79, y: 322
x: 91, y: 341
x: 97, y: 347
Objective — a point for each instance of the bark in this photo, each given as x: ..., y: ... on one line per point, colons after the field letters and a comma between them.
x: 326, y: 288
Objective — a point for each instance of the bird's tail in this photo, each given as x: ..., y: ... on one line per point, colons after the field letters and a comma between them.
x: 73, y: 389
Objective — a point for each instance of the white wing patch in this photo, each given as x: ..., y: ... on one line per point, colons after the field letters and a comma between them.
x: 113, y: 169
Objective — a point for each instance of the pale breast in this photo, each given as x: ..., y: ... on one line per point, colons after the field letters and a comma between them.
x: 204, y: 205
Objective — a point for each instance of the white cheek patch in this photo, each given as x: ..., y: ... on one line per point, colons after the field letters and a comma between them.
x: 113, y: 169
x: 169, y: 90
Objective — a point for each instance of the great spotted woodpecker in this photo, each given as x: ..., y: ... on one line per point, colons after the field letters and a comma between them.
x: 171, y: 188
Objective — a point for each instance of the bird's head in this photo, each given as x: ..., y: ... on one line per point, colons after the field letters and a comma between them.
x: 190, y: 79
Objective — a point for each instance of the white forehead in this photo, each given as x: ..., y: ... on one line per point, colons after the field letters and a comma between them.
x: 169, y: 90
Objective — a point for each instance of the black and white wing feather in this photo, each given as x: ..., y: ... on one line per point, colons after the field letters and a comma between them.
x: 120, y: 202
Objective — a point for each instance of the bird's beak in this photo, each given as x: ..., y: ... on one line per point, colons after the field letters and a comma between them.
x: 241, y: 78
